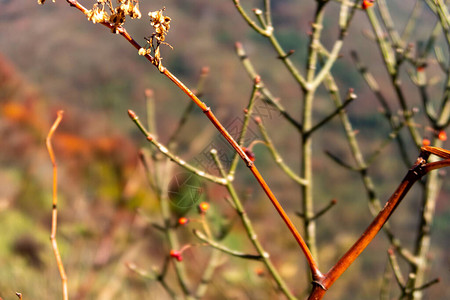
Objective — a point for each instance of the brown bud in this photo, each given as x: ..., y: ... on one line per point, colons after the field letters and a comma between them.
x: 148, y: 93
x: 205, y: 70
x: 132, y: 115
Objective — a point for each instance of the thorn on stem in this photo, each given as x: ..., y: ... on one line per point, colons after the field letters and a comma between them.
x: 290, y: 52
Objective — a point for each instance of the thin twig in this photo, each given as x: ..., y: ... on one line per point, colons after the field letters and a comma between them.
x: 362, y: 167
x: 187, y: 111
x: 62, y: 272
x: 269, y: 98
x: 276, y: 155
x: 164, y: 150
x: 224, y: 249
x: 396, y: 269
x: 253, y: 237
x: 247, y: 115
x: 350, y: 98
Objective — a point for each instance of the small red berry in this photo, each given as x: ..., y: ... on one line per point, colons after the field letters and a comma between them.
x: 426, y: 142
x: 176, y: 254
x: 203, y: 207
x: 183, y: 221
x: 367, y: 3
x: 442, y: 135
x: 259, y: 272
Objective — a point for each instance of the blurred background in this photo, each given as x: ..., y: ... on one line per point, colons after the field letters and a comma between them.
x: 52, y: 58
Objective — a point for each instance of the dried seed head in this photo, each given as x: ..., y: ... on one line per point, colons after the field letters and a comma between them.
x: 160, y: 23
x: 97, y: 14
x: 118, y: 14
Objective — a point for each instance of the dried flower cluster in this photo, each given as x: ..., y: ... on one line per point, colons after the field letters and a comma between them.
x: 103, y: 11
x: 117, y: 15
x: 161, y: 26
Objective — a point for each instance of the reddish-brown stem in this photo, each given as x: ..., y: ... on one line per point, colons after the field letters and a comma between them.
x: 442, y: 153
x: 316, y: 274
x: 62, y: 272
x: 312, y: 264
x: 419, y: 169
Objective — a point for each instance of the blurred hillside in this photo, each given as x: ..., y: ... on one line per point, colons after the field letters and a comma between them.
x: 52, y: 58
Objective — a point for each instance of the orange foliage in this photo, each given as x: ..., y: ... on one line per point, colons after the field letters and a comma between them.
x: 71, y: 145
x: 24, y: 113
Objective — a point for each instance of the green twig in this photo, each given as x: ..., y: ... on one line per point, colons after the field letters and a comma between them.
x: 172, y: 156
x: 224, y: 249
x: 321, y: 212
x: 251, y: 234
x: 247, y: 115
x: 276, y: 156
x: 269, y: 98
